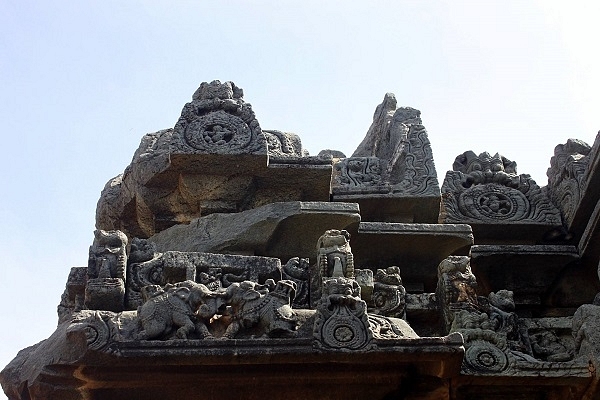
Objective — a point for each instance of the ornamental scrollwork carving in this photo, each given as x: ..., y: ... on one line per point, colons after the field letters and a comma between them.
x: 93, y: 327
x: 355, y: 172
x: 484, y: 356
x: 419, y: 176
x: 486, y: 188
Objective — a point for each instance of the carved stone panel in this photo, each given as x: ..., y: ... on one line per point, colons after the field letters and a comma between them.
x: 358, y: 173
x: 215, y: 271
x: 484, y: 190
x: 218, y: 121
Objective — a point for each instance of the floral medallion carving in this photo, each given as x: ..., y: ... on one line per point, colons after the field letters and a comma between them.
x: 492, y: 202
x: 482, y: 356
x: 217, y: 130
x: 219, y: 121
x: 485, y: 188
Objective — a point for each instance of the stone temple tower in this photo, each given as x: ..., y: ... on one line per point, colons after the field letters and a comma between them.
x: 228, y: 263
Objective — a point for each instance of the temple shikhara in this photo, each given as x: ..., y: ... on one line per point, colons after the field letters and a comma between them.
x: 228, y: 263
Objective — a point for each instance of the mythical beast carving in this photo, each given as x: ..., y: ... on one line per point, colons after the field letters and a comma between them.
x: 185, y: 306
x: 266, y: 308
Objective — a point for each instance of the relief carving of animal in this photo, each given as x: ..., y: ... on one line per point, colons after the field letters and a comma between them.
x: 253, y: 305
x: 181, y: 309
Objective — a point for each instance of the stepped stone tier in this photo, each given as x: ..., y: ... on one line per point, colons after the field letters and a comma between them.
x: 228, y: 263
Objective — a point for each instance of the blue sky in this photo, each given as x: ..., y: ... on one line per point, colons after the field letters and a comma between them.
x: 82, y: 82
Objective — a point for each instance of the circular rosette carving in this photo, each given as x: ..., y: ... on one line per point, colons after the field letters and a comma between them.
x: 482, y: 356
x: 493, y: 203
x: 344, y: 330
x: 218, y: 130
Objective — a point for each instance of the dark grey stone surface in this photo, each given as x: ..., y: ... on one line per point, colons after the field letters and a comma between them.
x: 282, y: 230
x: 391, y: 174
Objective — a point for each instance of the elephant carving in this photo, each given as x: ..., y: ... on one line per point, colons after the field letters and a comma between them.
x: 182, y: 308
x: 266, y: 307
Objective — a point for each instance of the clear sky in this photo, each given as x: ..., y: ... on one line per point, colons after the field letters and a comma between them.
x: 82, y: 81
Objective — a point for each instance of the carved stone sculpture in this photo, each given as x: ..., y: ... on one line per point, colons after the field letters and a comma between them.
x: 398, y: 138
x: 486, y: 189
x: 145, y: 268
x: 586, y: 331
x: 222, y: 220
x: 334, y: 259
x: 73, y: 298
x: 389, y: 300
x: 107, y: 263
x: 284, y: 144
x: 178, y: 309
x: 456, y: 288
x: 264, y: 308
x: 359, y: 172
x: 142, y: 250
x: 218, y: 120
x: 298, y: 270
x: 342, y: 322
x: 188, y: 172
x: 108, y: 255
x: 505, y: 320
x: 383, y: 292
x: 566, y: 176
x: 335, y: 255
x: 547, y: 346
x: 215, y: 271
